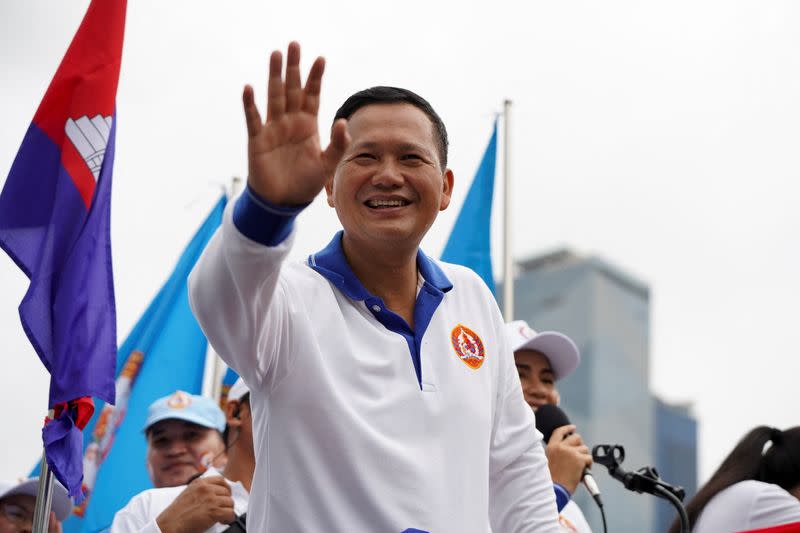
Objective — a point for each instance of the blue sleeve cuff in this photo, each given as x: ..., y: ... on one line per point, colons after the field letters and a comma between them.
x: 562, y: 496
x: 262, y: 221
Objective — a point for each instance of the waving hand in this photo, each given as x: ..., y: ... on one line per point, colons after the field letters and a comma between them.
x: 286, y: 163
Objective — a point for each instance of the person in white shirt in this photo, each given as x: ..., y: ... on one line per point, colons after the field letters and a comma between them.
x: 383, y: 389
x: 18, y: 500
x: 543, y: 359
x: 756, y: 487
x: 214, y: 501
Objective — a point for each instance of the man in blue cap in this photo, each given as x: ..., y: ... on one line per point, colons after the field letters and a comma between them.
x: 184, y: 437
x: 215, y: 502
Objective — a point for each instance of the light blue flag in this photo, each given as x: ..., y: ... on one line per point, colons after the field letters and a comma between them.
x: 470, y: 241
x: 165, y: 351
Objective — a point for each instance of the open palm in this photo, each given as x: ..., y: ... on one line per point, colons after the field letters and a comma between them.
x: 286, y: 163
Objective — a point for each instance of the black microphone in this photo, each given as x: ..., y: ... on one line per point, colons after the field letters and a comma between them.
x: 548, y: 419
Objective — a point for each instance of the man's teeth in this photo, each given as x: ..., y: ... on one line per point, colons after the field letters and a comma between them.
x: 386, y: 203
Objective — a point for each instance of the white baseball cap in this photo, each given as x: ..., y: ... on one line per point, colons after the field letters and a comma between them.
x: 61, y: 504
x: 559, y: 349
x: 238, y: 389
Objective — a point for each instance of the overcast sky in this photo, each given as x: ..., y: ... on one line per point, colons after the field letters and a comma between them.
x: 662, y: 137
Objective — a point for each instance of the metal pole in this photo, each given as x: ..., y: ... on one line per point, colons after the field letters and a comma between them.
x: 213, y: 362
x: 508, y: 264
x: 44, y: 495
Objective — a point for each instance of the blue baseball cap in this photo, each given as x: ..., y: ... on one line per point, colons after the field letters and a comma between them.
x: 188, y: 407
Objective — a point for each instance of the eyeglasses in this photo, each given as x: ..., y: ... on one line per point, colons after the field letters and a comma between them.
x: 16, y: 513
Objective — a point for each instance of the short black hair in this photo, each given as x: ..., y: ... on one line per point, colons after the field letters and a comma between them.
x: 396, y: 95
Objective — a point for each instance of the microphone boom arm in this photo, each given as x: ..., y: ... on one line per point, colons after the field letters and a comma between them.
x: 645, y: 479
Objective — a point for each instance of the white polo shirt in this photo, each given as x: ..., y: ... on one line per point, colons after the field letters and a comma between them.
x: 139, y: 516
x: 360, y: 423
x: 749, y: 505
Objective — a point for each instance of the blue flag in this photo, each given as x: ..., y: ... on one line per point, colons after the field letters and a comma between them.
x: 164, y: 352
x: 470, y: 241
x: 55, y: 211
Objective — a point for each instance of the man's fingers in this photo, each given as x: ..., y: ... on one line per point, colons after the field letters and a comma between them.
x: 54, y: 526
x: 223, y: 512
x: 276, y: 96
x: 294, y: 91
x: 219, y: 485
x: 313, y: 86
x: 251, y: 115
x: 208, y: 489
x: 340, y: 140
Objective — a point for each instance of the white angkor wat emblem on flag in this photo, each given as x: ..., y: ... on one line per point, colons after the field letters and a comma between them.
x: 90, y: 137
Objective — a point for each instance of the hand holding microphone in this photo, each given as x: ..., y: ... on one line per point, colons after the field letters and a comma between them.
x: 568, y: 457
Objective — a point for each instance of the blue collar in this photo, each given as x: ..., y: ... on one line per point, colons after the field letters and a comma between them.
x: 332, y: 264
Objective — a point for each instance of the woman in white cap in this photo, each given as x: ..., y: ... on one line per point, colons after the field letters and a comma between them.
x: 542, y: 359
x: 757, y: 487
x: 18, y: 500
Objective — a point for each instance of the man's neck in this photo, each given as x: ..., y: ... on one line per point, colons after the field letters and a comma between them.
x: 240, y: 466
x: 390, y: 275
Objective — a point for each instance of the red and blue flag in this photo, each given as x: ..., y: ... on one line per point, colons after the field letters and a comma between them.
x: 55, y: 211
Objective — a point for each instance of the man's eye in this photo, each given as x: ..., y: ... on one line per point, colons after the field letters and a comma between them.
x: 365, y: 156
x: 411, y: 157
x: 15, y: 512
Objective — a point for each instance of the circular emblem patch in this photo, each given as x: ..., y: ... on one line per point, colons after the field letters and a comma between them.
x: 468, y: 346
x: 179, y: 400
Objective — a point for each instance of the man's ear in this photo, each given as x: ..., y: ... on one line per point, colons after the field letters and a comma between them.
x: 232, y: 413
x: 329, y: 191
x: 447, y: 189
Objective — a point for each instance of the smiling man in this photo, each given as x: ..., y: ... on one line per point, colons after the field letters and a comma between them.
x: 210, y: 502
x: 383, y: 389
x: 184, y: 436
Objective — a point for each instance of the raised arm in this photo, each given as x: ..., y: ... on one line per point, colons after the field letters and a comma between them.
x: 234, y: 289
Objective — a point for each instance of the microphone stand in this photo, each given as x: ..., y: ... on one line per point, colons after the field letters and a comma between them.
x: 645, y: 479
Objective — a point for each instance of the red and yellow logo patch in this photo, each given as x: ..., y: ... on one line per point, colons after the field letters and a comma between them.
x: 468, y: 346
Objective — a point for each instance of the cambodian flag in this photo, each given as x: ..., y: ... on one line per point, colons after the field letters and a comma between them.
x: 55, y: 212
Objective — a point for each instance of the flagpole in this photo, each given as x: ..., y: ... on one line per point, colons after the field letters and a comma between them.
x: 508, y: 265
x: 44, y: 495
x: 215, y: 367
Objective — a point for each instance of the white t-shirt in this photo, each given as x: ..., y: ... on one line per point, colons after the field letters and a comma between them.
x: 748, y: 505
x: 360, y: 424
x: 139, y: 516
